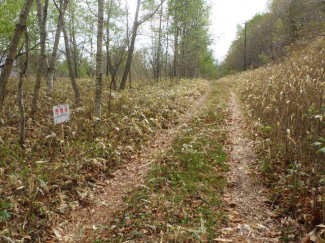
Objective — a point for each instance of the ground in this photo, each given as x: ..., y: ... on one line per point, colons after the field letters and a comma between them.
x: 250, y: 218
x: 210, y: 161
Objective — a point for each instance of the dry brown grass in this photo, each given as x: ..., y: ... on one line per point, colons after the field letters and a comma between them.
x: 45, y: 181
x: 286, y: 104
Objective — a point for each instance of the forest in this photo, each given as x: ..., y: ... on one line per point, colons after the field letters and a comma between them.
x: 119, y: 124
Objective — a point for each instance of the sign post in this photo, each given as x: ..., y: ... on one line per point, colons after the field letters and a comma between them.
x: 61, y: 114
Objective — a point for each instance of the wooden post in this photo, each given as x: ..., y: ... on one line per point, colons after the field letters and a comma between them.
x: 62, y: 128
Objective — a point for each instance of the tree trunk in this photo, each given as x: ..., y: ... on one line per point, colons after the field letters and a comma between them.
x: 70, y: 62
x: 12, y: 49
x: 131, y: 49
x: 158, y: 63
x: 74, y: 43
x: 99, y: 59
x: 136, y: 25
x: 75, y: 54
x: 42, y: 59
x: 176, y: 36
x: 107, y: 47
x: 167, y: 46
x: 175, y: 71
x: 20, y: 93
x: 109, y: 9
x: 182, y: 72
x: 109, y: 66
x: 50, y: 73
x: 128, y: 39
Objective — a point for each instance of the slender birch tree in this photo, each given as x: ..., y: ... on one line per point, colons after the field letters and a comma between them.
x: 99, y: 59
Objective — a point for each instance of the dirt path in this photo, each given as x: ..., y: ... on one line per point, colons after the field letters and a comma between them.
x: 85, y: 221
x: 250, y: 220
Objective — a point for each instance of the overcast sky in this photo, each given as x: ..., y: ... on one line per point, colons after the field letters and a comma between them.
x: 225, y: 15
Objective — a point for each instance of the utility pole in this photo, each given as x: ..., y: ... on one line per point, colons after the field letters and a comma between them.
x: 245, y: 48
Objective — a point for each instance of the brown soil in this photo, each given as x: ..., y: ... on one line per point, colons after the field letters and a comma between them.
x: 86, y: 220
x: 250, y: 218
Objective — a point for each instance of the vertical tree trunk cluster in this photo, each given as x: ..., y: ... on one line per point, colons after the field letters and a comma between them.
x: 177, y: 31
x: 191, y: 40
x: 42, y: 59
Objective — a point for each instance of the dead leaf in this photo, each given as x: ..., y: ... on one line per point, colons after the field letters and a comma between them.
x: 223, y: 240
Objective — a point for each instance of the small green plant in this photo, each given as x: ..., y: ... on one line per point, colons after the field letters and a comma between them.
x: 264, y: 58
x: 321, y: 145
x: 266, y: 166
x: 266, y: 129
x: 4, y: 214
x: 287, y: 235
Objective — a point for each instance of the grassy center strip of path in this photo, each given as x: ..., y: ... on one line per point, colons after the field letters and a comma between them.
x: 181, y: 198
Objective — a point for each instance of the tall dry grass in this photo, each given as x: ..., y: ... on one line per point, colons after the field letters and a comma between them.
x: 286, y: 104
x: 41, y: 184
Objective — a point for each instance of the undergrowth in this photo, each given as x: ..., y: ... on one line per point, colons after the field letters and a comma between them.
x: 286, y: 104
x: 180, y: 201
x: 56, y: 172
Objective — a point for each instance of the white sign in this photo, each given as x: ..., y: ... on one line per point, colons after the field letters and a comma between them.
x: 61, y: 113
